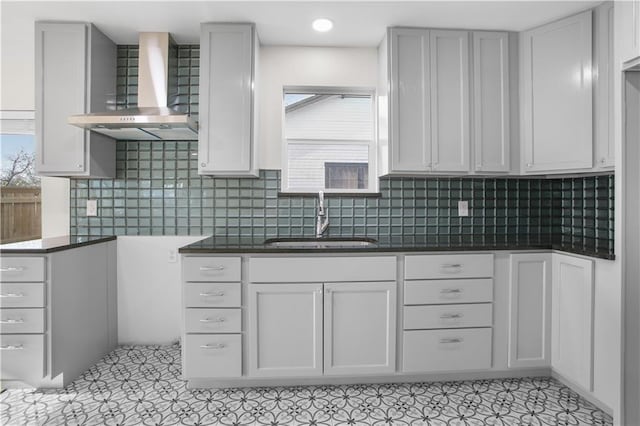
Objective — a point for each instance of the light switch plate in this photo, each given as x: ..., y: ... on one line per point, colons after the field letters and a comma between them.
x: 173, y: 256
x: 463, y: 208
x: 92, y: 207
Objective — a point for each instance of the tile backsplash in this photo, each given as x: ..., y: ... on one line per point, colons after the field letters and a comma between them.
x: 157, y: 191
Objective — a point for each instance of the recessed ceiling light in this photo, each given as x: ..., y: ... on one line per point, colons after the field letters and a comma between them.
x: 322, y: 25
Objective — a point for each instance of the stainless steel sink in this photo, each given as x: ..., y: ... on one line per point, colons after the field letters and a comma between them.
x: 320, y: 242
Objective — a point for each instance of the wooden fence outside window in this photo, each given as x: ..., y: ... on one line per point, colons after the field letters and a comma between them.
x: 20, y: 214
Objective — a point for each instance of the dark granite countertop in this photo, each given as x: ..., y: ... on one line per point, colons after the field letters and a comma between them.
x: 53, y: 244
x: 217, y: 244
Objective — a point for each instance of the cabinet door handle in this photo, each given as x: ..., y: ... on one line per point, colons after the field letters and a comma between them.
x: 451, y: 316
x: 216, y: 346
x: 210, y: 320
x: 12, y: 295
x: 450, y: 291
x: 11, y: 347
x: 212, y: 294
x: 451, y: 340
x: 12, y: 269
x: 12, y: 321
x: 212, y: 268
x: 451, y: 268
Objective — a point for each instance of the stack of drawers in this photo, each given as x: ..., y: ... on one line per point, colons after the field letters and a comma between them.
x: 22, y: 318
x: 212, y: 296
x: 447, y: 312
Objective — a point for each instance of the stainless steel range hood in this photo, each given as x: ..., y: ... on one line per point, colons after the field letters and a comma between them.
x: 153, y: 119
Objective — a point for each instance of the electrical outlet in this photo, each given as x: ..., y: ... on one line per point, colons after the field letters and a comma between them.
x: 463, y: 208
x: 173, y: 256
x: 92, y: 207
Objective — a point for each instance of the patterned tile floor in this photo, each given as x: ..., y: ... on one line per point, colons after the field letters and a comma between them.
x: 140, y: 385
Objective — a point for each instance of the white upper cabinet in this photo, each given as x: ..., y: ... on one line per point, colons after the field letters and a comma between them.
x: 491, y: 102
x: 627, y: 18
x: 603, y: 123
x: 409, y: 123
x: 227, y: 140
x: 75, y: 73
x: 449, y: 79
x: 426, y: 102
x: 556, y: 95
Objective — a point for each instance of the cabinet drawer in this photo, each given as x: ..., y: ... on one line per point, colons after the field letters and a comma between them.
x: 18, y: 269
x: 448, y: 266
x: 212, y: 355
x: 447, y: 316
x: 22, y: 356
x: 22, y: 320
x: 211, y: 268
x: 16, y: 295
x: 427, y: 292
x: 214, y: 295
x: 213, y: 320
x: 322, y: 269
x: 447, y: 350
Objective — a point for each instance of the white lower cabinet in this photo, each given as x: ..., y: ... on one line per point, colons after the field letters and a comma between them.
x: 212, y: 355
x: 285, y: 331
x: 447, y: 350
x: 530, y: 310
x: 359, y: 328
x: 572, y: 319
x: 448, y: 305
x: 295, y: 330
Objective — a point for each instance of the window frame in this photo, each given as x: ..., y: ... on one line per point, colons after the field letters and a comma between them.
x: 372, y: 144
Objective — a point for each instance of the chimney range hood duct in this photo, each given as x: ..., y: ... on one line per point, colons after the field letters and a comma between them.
x: 153, y: 119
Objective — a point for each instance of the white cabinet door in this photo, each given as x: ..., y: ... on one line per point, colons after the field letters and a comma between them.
x: 603, y: 87
x: 627, y: 19
x: 75, y: 73
x: 491, y: 101
x: 530, y: 310
x: 557, y: 96
x: 410, y: 108
x: 226, y: 141
x: 572, y: 319
x: 359, y: 328
x: 449, y: 80
x: 285, y: 330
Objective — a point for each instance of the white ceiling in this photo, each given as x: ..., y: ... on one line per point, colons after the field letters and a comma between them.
x: 356, y: 23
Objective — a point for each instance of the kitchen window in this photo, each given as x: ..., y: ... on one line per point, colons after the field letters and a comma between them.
x: 329, y: 140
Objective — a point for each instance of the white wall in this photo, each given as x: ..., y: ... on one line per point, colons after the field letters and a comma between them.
x: 149, y: 289
x: 303, y: 66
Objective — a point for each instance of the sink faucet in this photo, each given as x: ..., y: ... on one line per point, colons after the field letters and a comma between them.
x: 322, y: 220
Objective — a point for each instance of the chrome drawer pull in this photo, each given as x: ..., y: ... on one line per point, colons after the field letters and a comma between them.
x: 12, y: 321
x: 451, y: 341
x: 11, y: 347
x: 12, y: 295
x: 450, y: 316
x: 217, y: 346
x: 213, y: 294
x: 12, y: 269
x: 450, y: 291
x: 208, y: 320
x: 212, y: 268
x: 452, y: 268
